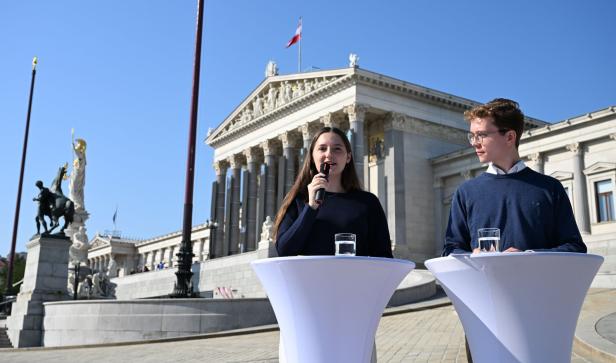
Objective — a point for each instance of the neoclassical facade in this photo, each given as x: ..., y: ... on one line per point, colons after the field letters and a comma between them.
x: 395, y: 129
x: 410, y: 149
x: 131, y: 256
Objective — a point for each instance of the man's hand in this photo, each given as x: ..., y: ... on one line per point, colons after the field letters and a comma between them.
x: 512, y: 249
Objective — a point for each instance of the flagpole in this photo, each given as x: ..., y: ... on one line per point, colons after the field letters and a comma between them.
x: 299, y: 56
x: 9, y: 275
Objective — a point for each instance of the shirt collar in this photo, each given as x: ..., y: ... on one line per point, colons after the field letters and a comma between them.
x: 517, y: 167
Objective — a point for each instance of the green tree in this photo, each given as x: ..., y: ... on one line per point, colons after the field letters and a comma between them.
x: 18, y: 272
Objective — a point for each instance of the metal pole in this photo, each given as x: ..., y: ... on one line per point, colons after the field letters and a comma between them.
x: 183, y: 287
x: 299, y: 55
x: 9, y: 276
x: 76, y: 282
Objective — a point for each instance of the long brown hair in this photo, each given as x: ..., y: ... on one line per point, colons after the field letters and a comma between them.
x: 348, y: 179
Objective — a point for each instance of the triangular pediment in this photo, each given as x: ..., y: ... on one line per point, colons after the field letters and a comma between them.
x: 599, y: 167
x: 275, y: 94
x: 98, y: 242
x: 562, y: 175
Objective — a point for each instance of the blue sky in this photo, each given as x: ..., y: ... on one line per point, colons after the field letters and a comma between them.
x: 119, y: 73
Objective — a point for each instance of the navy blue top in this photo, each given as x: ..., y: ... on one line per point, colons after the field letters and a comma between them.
x: 306, y: 231
x: 532, y: 211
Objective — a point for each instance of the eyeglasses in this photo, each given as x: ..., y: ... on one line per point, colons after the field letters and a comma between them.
x: 478, y: 137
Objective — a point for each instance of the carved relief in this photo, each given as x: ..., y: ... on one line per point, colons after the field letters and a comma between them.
x: 330, y: 120
x: 236, y: 161
x: 575, y: 148
x: 270, y: 147
x: 220, y: 167
x: 376, y: 149
x: 308, y: 131
x: 356, y: 111
x: 536, y: 158
x: 395, y: 121
x: 273, y: 96
x: 253, y: 155
x: 289, y: 139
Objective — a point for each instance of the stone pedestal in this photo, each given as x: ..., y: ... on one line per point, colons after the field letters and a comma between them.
x: 266, y: 249
x: 44, y: 280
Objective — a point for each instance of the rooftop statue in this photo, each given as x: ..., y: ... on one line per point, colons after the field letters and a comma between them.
x: 353, y: 60
x: 271, y: 69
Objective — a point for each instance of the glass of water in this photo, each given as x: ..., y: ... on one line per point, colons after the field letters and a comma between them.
x: 345, y: 244
x: 489, y: 239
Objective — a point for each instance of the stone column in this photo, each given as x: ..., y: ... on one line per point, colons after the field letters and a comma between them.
x: 308, y: 131
x: 170, y: 255
x: 252, y: 162
x: 537, y: 160
x: 260, y: 215
x: 236, y: 162
x: 174, y: 260
x: 200, y: 248
x: 290, y: 142
x: 244, y: 208
x: 579, y: 187
x: 396, y: 194
x: 356, y: 113
x: 221, y: 185
x: 438, y: 216
x: 280, y: 182
x: 331, y: 120
x: 270, y: 149
x: 227, y: 223
x: 213, y: 204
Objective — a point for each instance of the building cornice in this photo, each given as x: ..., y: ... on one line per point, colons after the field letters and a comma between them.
x: 242, y: 120
x: 234, y: 127
x: 565, y: 125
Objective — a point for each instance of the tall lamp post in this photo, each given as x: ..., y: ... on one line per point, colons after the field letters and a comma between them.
x: 9, y: 275
x: 183, y: 287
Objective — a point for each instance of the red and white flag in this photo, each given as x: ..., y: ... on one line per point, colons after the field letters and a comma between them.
x: 297, y: 36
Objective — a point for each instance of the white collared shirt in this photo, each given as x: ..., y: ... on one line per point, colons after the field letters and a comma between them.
x: 517, y: 167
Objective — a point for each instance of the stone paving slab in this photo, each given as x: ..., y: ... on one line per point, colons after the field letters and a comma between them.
x: 431, y: 335
x: 596, y: 345
x: 428, y: 331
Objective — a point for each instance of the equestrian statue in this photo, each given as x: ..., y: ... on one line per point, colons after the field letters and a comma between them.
x: 53, y: 204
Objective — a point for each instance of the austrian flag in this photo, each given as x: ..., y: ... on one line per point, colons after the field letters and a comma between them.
x: 297, y: 36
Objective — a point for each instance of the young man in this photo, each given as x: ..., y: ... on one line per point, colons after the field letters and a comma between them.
x: 531, y: 210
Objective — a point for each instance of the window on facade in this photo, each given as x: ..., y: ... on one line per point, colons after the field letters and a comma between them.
x: 605, y: 201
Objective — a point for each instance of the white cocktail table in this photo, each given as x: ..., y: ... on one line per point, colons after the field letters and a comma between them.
x: 328, y: 307
x: 517, y: 307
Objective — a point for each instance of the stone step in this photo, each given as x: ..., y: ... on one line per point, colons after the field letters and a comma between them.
x: 4, y: 339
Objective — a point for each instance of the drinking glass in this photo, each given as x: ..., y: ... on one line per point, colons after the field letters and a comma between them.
x: 488, y: 239
x: 345, y: 244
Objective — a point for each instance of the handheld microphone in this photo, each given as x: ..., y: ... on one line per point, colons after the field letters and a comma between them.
x: 321, y: 192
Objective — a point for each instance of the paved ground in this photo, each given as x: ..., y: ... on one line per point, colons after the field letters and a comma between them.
x: 431, y: 335
x: 606, y: 327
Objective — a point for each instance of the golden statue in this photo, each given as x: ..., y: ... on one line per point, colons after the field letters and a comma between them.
x: 78, y: 176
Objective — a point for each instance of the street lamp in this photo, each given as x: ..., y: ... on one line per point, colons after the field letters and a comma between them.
x: 183, y: 287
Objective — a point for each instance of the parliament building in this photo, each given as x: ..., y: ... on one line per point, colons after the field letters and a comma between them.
x: 410, y: 148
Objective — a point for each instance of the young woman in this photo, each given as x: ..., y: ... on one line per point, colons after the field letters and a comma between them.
x: 305, y: 226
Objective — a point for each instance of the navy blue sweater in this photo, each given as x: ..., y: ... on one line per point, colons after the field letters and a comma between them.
x: 305, y: 231
x: 532, y: 211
